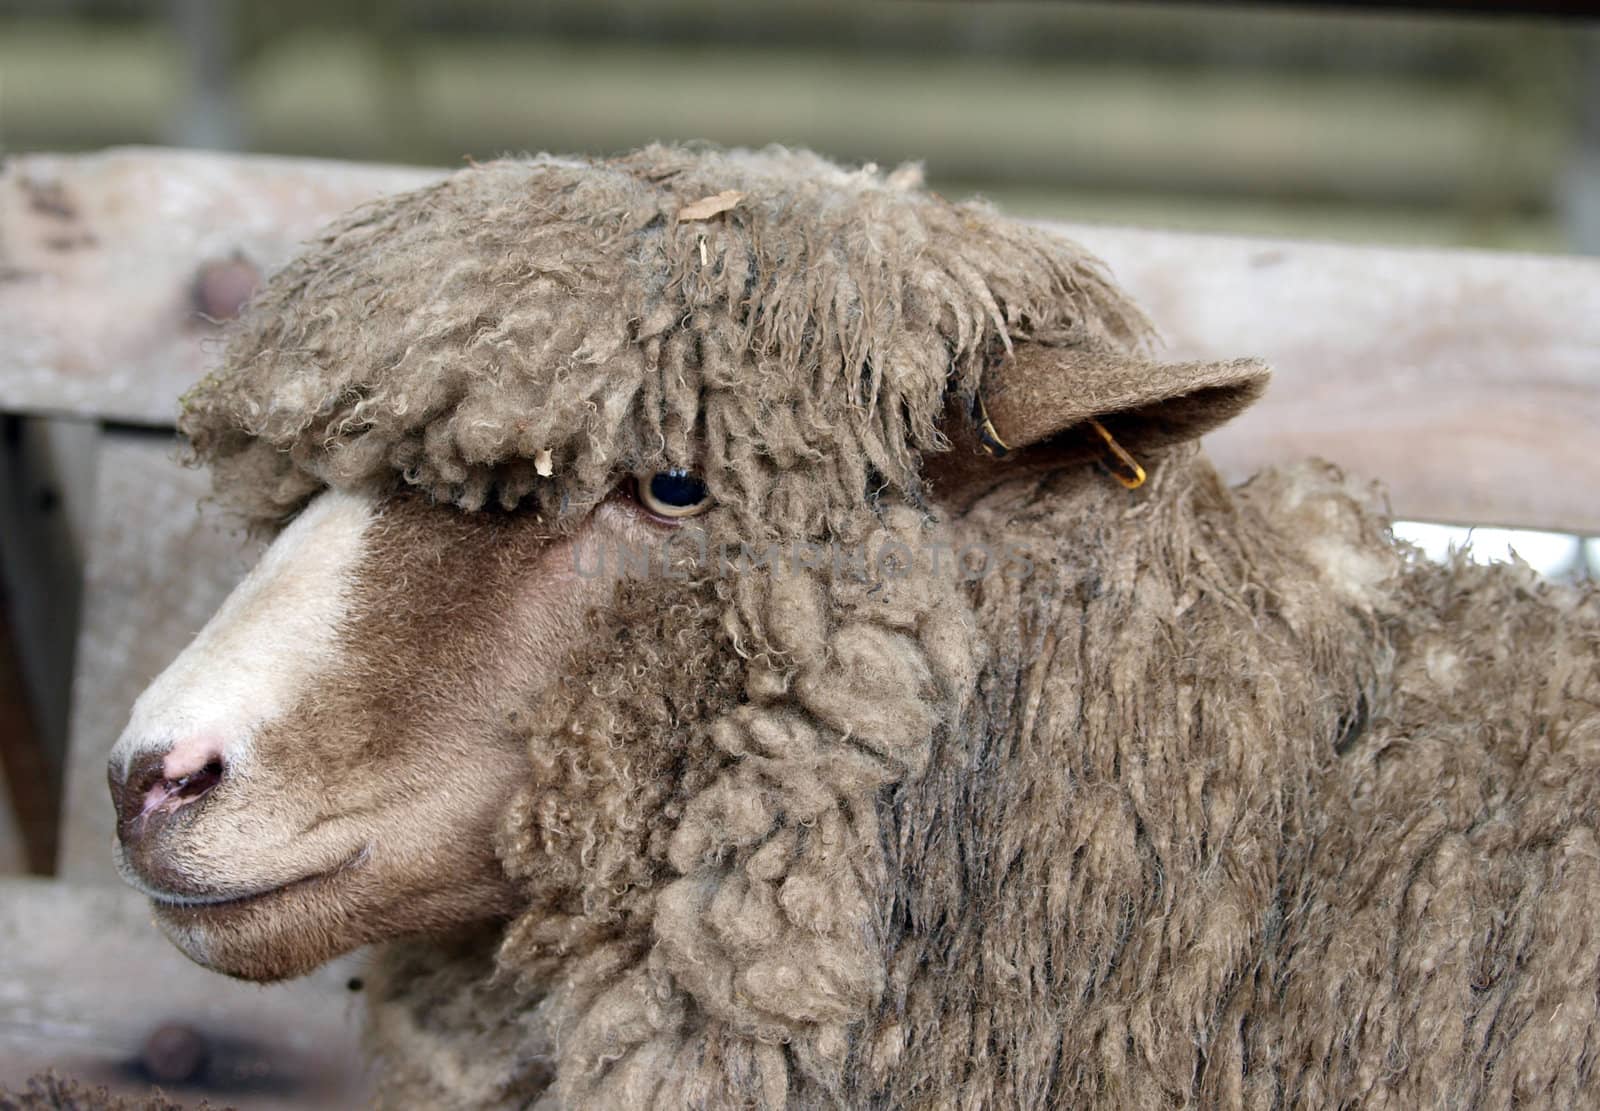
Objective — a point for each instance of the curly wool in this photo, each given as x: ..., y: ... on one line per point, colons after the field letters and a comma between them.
x: 560, y: 316
x: 1228, y: 800
x: 701, y: 840
x: 1244, y: 805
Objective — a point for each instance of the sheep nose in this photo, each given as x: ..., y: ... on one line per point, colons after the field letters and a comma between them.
x: 156, y: 786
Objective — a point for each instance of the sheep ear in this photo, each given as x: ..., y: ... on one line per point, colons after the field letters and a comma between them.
x: 1091, y: 399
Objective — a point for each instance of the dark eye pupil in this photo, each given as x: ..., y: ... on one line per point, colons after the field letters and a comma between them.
x: 678, y: 488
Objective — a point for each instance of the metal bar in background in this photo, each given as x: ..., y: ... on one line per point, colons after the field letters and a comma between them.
x: 1580, y: 184
x: 209, y: 116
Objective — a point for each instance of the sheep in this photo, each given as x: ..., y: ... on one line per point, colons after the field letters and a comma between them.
x: 743, y: 631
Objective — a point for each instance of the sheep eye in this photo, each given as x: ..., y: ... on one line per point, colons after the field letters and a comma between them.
x: 674, y: 493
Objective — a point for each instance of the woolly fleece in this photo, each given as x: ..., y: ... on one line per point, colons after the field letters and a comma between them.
x: 795, y: 349
x: 1229, y: 800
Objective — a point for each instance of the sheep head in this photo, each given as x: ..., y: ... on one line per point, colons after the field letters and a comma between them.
x: 327, y: 763
x: 447, y: 695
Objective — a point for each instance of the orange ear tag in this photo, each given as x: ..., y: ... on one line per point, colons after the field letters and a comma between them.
x: 1123, y: 467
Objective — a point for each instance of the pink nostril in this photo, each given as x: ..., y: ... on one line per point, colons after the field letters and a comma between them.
x: 190, y: 786
x: 149, y: 788
x: 170, y: 794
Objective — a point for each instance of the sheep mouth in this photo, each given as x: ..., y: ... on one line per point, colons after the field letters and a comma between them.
x: 189, y: 902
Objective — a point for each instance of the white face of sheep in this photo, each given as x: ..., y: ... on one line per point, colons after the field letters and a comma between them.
x: 325, y: 764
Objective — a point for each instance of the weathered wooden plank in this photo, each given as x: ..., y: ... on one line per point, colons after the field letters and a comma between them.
x: 100, y: 256
x: 158, y: 567
x: 1469, y: 380
x: 86, y: 980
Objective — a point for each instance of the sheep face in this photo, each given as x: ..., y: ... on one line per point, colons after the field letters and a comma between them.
x: 324, y: 765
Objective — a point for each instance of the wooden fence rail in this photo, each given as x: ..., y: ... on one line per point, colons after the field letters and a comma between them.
x: 1468, y: 380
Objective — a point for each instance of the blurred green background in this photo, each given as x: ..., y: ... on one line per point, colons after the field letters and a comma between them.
x: 1347, y: 124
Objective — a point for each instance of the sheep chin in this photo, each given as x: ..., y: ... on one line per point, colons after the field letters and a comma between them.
x: 289, y: 931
